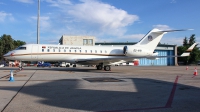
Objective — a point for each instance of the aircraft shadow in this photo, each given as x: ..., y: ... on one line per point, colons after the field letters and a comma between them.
x: 150, y: 94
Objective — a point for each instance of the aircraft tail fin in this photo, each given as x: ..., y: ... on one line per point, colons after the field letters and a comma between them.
x: 153, y: 37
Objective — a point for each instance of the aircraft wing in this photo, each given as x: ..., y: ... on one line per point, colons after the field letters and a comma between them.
x: 95, y: 61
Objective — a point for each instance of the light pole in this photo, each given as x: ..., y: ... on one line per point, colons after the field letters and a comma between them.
x: 38, y: 23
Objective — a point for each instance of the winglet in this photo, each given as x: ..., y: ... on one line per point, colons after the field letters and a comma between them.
x: 189, y: 50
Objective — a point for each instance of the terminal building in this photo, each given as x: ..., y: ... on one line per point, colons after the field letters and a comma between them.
x: 161, y: 49
x: 77, y: 40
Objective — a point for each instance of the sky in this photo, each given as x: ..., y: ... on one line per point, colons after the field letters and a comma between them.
x: 107, y: 20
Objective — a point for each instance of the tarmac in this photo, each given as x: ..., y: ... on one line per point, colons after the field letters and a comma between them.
x: 85, y: 89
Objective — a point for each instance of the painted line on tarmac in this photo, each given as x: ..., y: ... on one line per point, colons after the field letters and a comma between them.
x: 18, y: 92
x: 5, y: 76
x: 171, y: 97
x: 8, y: 76
x: 168, y: 104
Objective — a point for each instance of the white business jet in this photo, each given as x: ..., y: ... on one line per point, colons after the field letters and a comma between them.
x: 101, y: 56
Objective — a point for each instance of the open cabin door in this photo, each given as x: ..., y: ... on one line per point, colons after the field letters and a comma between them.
x: 34, y: 52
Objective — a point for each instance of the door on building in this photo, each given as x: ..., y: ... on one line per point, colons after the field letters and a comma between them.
x: 34, y: 52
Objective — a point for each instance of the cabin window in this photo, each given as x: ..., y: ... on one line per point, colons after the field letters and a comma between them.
x: 42, y: 50
x: 21, y: 48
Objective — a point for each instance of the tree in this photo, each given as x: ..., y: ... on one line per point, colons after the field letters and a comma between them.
x: 18, y: 43
x: 185, y: 41
x: 195, y: 54
x: 192, y: 39
x: 7, y: 44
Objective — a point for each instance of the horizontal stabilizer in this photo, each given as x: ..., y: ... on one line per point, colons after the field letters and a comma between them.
x: 189, y: 50
x: 173, y: 30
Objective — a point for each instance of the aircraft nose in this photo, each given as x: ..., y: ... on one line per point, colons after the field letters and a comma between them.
x: 5, y: 55
x: 9, y: 54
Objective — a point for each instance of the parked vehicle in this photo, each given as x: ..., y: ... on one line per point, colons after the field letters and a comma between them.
x: 44, y: 65
x: 2, y: 65
x: 56, y: 65
x: 62, y: 64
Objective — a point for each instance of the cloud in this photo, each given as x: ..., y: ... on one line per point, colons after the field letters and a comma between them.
x: 85, y: 17
x: 107, y: 16
x: 44, y: 22
x: 58, y: 3
x: 173, y: 1
x: 162, y: 27
x: 4, y: 16
x: 95, y: 16
x: 25, y: 1
x: 1, y: 3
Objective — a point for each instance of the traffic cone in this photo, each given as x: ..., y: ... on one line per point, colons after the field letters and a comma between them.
x: 195, y: 72
x: 11, y: 76
x: 186, y: 68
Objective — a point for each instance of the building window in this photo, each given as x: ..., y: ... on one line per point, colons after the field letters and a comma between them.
x: 80, y: 51
x: 54, y: 50
x: 69, y: 50
x: 88, y: 42
x: 105, y: 51
x: 48, y: 50
x: 64, y: 50
x: 42, y: 50
x: 101, y: 51
x: 91, y: 51
x: 95, y: 51
x: 85, y: 51
x: 59, y: 50
x: 84, y: 41
x: 74, y: 50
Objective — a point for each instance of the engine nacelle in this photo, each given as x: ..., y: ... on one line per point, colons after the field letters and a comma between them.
x: 136, y: 51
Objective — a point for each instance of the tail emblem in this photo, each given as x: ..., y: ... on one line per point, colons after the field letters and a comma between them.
x: 150, y: 38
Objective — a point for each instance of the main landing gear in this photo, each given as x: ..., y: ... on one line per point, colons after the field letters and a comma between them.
x: 106, y: 68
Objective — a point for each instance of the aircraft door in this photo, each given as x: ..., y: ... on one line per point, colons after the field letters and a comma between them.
x: 34, y: 54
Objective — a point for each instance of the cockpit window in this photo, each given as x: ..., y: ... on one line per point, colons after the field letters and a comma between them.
x: 21, y: 48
